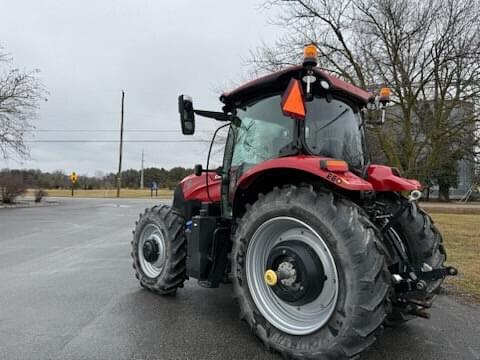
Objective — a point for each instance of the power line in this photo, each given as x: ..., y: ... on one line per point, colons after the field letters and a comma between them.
x: 103, y: 130
x: 114, y: 141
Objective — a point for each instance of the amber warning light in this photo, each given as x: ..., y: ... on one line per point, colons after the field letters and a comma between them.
x: 334, y: 165
x: 384, y: 95
x: 310, y: 54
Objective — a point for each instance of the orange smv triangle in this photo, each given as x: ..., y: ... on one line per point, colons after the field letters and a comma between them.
x: 293, y: 103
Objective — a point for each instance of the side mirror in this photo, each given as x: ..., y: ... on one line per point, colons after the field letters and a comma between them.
x: 372, y: 114
x: 187, y: 116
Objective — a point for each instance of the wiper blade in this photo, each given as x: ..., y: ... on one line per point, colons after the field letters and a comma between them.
x: 332, y: 121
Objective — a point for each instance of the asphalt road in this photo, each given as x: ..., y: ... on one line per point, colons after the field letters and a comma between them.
x: 67, y: 291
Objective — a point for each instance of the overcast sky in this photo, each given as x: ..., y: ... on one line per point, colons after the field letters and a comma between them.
x: 89, y: 50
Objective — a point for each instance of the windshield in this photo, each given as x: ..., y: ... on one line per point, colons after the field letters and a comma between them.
x: 332, y: 129
x: 264, y: 133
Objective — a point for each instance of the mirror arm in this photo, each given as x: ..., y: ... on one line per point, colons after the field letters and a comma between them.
x: 217, y: 115
x: 220, y: 116
x: 382, y: 121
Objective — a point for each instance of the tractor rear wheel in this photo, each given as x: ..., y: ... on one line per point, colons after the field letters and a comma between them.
x: 159, y: 250
x: 424, y: 247
x: 308, y: 276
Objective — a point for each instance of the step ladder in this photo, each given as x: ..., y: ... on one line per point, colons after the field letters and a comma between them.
x: 468, y: 194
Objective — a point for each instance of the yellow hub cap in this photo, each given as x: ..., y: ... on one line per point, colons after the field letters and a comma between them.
x: 270, y: 277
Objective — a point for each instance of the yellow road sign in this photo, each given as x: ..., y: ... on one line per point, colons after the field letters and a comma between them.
x: 73, y: 177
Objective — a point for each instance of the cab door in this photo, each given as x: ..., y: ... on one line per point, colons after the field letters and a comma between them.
x: 227, y: 176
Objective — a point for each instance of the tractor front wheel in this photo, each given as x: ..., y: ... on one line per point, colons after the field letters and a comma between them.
x: 423, y: 243
x: 159, y: 250
x: 308, y: 275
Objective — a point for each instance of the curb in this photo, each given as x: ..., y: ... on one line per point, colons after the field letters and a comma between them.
x: 29, y: 204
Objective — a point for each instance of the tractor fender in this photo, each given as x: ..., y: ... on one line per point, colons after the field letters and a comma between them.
x: 385, y: 178
x: 298, y: 169
x: 308, y: 164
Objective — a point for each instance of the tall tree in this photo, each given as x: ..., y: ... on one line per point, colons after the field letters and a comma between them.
x: 427, y: 51
x: 20, y: 94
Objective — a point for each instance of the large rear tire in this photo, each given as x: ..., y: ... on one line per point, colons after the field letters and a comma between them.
x: 354, y: 288
x: 159, y: 250
x: 424, y: 245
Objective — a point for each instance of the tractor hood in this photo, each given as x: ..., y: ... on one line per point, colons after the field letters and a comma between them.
x: 278, y: 81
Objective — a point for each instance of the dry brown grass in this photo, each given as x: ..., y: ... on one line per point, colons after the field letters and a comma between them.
x: 107, y: 193
x: 461, y: 234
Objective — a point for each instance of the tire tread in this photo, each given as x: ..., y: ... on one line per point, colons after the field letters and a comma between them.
x: 174, y: 275
x: 358, y: 329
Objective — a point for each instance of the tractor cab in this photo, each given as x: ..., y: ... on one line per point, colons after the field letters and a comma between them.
x: 328, y: 126
x: 300, y: 110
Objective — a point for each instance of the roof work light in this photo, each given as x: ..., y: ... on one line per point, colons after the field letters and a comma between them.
x: 310, y: 53
x: 384, y: 95
x: 384, y: 99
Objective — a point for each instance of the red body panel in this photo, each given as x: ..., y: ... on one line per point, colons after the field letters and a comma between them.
x: 195, y: 187
x: 380, y: 178
x: 383, y: 178
x: 311, y: 164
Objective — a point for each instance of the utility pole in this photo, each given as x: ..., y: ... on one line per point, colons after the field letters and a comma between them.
x: 119, y: 174
x: 141, y: 173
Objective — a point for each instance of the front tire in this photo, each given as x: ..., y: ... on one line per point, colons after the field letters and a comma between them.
x: 353, y: 290
x: 159, y: 250
x: 424, y: 246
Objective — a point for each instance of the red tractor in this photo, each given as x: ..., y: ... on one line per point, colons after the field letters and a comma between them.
x: 322, y: 247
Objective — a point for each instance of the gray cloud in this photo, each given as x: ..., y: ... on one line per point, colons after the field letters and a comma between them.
x: 89, y: 50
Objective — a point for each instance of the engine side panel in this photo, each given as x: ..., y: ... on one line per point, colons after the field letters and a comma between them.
x: 195, y: 187
x: 188, y: 208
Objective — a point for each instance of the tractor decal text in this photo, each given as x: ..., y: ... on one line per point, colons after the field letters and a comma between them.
x: 334, y: 178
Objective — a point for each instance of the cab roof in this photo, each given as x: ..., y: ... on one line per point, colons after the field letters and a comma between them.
x: 278, y: 81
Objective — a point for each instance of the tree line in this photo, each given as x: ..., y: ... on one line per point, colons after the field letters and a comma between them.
x: 32, y: 178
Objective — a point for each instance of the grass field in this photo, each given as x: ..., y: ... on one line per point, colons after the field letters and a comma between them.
x: 461, y: 234
x: 108, y: 193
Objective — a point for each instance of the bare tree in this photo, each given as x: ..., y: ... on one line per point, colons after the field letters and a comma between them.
x: 20, y: 94
x: 11, y: 186
x: 427, y: 51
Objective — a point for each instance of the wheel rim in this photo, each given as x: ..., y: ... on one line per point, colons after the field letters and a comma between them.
x: 292, y: 319
x: 152, y: 234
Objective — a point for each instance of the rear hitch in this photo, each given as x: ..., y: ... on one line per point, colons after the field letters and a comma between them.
x: 417, y: 280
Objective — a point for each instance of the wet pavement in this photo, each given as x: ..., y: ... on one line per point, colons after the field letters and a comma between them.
x: 68, y: 291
